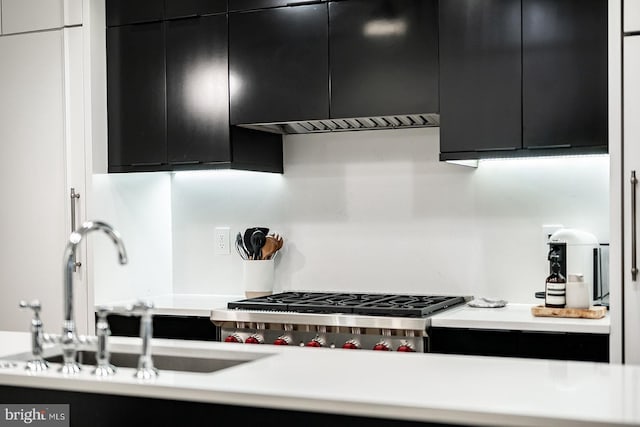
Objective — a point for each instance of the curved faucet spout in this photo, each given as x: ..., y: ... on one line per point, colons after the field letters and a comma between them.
x: 69, y: 338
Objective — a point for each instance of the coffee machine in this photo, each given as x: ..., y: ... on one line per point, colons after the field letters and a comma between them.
x: 580, y: 253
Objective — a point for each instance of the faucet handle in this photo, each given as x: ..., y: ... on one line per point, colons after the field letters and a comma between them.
x: 33, y: 305
x: 141, y: 306
x: 104, y: 368
x: 37, y: 363
x: 146, y: 370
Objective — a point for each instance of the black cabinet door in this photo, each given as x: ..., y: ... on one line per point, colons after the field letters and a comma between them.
x: 122, y: 12
x: 515, y: 343
x: 278, y: 64
x: 197, y: 90
x: 383, y: 57
x: 186, y: 8
x: 480, y: 75
x: 564, y: 73
x: 136, y: 95
x: 238, y: 5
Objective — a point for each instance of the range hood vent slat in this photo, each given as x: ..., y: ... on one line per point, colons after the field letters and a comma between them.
x: 349, y: 124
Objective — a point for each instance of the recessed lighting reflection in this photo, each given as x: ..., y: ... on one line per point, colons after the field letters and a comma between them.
x: 385, y: 28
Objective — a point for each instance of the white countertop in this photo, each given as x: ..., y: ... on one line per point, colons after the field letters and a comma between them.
x: 423, y: 387
x: 516, y: 317
x: 512, y: 317
x: 183, y: 304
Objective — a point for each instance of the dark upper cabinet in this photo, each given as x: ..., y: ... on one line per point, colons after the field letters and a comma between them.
x: 564, y: 73
x: 197, y: 90
x: 278, y: 64
x: 168, y: 103
x: 383, y: 57
x: 122, y: 12
x: 239, y: 5
x: 522, y: 77
x: 136, y: 95
x: 480, y: 75
x: 186, y: 8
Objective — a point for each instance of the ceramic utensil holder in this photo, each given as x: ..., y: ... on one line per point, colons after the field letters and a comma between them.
x: 258, y: 277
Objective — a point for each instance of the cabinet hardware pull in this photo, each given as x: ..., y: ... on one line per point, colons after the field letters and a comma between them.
x: 74, y: 196
x: 498, y: 149
x: 634, y: 262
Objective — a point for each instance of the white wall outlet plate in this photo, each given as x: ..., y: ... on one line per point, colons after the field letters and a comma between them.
x: 222, y: 242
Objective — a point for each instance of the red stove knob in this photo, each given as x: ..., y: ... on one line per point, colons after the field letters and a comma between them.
x: 283, y: 340
x: 254, y: 339
x: 233, y: 338
x: 406, y: 348
x: 316, y: 342
x: 351, y: 345
x: 382, y: 346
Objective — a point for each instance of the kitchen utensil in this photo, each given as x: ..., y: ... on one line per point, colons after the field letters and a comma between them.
x: 258, y: 239
x: 242, y: 251
x: 247, y: 239
x: 270, y: 247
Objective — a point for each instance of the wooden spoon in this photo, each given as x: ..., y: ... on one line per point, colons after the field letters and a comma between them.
x: 270, y: 247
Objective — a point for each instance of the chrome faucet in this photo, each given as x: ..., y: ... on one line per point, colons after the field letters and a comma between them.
x: 37, y: 363
x: 69, y: 338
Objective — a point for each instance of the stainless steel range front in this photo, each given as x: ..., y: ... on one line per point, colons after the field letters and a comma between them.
x: 343, y: 320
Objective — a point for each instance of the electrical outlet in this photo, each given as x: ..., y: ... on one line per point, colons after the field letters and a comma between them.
x: 222, y: 241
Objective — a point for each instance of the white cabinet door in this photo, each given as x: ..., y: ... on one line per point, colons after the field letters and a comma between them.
x: 631, y: 15
x: 631, y: 163
x: 19, y: 16
x: 72, y: 12
x: 34, y: 178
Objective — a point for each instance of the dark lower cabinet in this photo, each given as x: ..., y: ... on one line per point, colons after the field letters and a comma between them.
x: 240, y: 5
x: 279, y: 64
x: 136, y: 95
x: 185, y: 8
x: 527, y: 344
x: 165, y: 326
x: 103, y: 410
x: 383, y: 57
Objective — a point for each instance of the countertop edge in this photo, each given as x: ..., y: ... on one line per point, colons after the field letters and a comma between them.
x: 293, y: 403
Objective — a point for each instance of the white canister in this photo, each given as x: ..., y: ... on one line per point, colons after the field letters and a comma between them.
x: 578, y: 295
x: 258, y: 277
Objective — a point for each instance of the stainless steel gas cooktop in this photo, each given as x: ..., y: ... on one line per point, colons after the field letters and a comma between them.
x: 346, y: 320
x: 351, y: 303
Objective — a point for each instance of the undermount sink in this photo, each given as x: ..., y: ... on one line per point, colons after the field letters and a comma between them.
x: 165, y: 358
x: 162, y: 362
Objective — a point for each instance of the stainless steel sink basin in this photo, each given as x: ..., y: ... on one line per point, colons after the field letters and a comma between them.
x: 162, y: 362
x: 167, y: 356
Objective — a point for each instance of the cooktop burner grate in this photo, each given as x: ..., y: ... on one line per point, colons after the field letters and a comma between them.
x: 350, y: 303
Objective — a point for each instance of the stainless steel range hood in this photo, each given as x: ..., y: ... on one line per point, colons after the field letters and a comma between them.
x: 350, y: 124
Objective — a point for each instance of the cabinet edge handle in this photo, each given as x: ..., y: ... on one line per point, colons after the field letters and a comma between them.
x: 74, y: 197
x: 634, y: 261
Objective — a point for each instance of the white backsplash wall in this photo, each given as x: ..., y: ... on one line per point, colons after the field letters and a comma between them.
x: 139, y: 207
x: 376, y: 211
